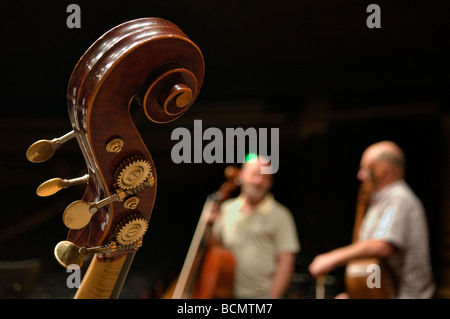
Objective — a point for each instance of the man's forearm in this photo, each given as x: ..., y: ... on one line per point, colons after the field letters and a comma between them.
x: 326, y: 262
x: 364, y: 249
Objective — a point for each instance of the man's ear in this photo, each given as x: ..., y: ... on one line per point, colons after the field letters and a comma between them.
x: 379, y: 170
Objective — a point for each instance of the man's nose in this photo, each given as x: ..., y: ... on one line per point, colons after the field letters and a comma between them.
x: 361, y: 175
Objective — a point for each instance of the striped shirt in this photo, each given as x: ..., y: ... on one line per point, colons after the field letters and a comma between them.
x: 396, y: 215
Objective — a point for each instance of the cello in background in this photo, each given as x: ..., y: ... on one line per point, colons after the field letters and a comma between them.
x: 356, y: 272
x: 148, y: 62
x: 208, y: 270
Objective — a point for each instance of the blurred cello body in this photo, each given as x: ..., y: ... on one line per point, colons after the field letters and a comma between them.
x: 208, y: 270
x: 357, y: 271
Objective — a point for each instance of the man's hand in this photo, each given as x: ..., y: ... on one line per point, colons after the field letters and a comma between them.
x: 322, y: 264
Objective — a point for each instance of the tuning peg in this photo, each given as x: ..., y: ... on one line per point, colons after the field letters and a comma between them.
x: 54, y: 185
x: 67, y: 253
x: 43, y: 150
x: 78, y: 214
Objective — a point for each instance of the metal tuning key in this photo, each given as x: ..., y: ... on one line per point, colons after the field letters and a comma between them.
x: 67, y: 253
x: 43, y: 150
x: 78, y: 214
x: 54, y: 185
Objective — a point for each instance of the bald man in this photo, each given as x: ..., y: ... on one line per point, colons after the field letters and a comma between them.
x: 261, y: 234
x: 394, y: 227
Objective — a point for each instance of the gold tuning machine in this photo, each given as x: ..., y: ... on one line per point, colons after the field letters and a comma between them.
x: 78, y: 214
x: 43, y: 150
x: 67, y: 253
x: 54, y: 185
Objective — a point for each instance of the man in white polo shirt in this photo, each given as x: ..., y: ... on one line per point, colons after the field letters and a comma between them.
x: 262, y: 235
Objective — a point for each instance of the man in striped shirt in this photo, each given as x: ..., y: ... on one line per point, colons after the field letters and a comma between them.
x: 394, y: 227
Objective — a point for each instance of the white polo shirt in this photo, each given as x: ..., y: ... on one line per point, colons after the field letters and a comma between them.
x: 256, y: 239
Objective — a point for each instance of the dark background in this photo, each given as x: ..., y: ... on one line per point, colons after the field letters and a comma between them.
x: 311, y: 68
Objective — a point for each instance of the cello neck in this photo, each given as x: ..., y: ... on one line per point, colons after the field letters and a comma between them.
x: 362, y: 202
x: 104, y: 279
x: 202, y: 237
x: 192, y: 261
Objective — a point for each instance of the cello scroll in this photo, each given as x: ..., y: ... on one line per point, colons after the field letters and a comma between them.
x: 147, y: 61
